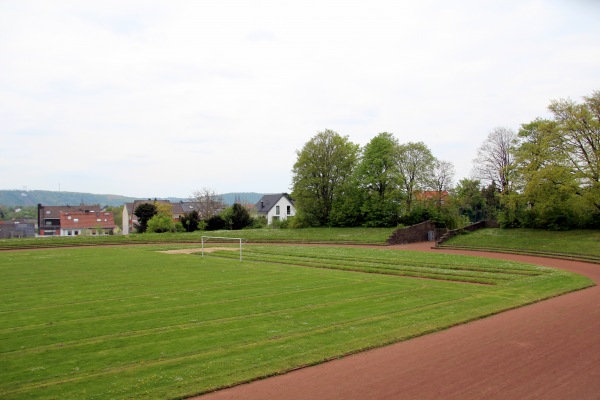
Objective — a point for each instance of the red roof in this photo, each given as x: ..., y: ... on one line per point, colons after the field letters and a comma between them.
x: 86, y: 220
x: 431, y: 194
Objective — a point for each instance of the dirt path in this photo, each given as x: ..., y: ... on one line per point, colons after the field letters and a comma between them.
x: 549, y: 350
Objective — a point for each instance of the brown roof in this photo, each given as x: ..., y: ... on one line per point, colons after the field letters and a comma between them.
x: 86, y: 220
x: 53, y: 212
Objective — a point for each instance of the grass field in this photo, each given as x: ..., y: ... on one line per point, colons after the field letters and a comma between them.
x: 584, y: 244
x: 131, y: 322
x: 375, y: 236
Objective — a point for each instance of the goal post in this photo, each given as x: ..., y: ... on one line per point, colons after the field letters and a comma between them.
x: 206, y: 239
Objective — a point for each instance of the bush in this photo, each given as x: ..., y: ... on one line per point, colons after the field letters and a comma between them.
x: 215, y: 223
x: 240, y: 217
x: 179, y: 227
x: 258, y: 222
x: 190, y: 221
x: 161, y: 223
x: 280, y: 223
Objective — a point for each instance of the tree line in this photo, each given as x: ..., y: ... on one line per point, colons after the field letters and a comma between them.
x: 210, y: 213
x: 548, y: 172
x: 544, y: 176
x: 337, y: 183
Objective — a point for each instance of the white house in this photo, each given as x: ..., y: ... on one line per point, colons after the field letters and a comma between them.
x: 276, y: 206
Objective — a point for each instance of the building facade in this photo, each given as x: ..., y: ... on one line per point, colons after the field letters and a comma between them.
x: 275, y: 207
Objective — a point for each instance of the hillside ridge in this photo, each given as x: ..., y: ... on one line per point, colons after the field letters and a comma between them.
x: 14, y: 198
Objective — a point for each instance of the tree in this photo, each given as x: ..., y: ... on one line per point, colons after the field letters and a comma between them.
x: 144, y: 212
x: 209, y: 203
x: 579, y: 128
x: 469, y: 199
x: 495, y: 160
x: 323, y: 166
x: 235, y: 217
x: 348, y: 205
x: 215, y: 223
x: 190, y: 221
x: 557, y: 169
x: 442, y: 177
x: 164, y: 208
x: 541, y: 176
x: 377, y: 175
x: 240, y: 217
x: 415, y: 163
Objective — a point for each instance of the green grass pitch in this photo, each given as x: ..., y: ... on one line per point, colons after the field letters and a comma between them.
x: 130, y: 322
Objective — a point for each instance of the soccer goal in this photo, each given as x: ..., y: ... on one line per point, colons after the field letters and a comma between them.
x: 219, y: 239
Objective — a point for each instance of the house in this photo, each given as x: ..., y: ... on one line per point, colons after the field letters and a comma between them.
x: 130, y: 220
x: 17, y: 228
x: 185, y: 207
x: 86, y: 222
x: 49, y: 217
x: 278, y: 206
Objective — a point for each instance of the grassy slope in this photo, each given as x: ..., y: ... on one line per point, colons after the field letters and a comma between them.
x: 130, y: 322
x: 584, y: 243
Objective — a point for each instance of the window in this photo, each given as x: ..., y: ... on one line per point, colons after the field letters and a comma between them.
x: 276, y: 210
x: 289, y: 210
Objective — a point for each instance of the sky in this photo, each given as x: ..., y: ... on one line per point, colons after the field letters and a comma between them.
x: 163, y: 98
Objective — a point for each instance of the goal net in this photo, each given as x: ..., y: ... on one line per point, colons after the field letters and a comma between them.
x: 220, y: 239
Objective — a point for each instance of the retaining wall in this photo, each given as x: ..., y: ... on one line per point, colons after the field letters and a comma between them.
x: 414, y: 234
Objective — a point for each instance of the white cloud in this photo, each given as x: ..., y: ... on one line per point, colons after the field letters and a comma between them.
x: 176, y: 96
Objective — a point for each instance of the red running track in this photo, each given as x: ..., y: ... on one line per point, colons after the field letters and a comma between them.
x: 548, y: 350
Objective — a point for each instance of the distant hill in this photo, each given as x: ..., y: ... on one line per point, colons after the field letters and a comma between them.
x: 250, y: 197
x: 12, y: 198
x: 53, y: 198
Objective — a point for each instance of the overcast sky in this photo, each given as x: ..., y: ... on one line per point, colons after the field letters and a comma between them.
x: 162, y: 98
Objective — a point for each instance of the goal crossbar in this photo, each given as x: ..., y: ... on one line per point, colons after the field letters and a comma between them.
x: 205, y: 238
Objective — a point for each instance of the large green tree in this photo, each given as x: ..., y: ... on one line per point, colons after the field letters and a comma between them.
x: 556, y: 170
x: 415, y: 165
x: 542, y: 177
x: 469, y: 200
x: 578, y: 125
x: 320, y: 173
x: 378, y: 176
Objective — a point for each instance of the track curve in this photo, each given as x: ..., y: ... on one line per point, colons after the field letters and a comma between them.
x: 549, y: 350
